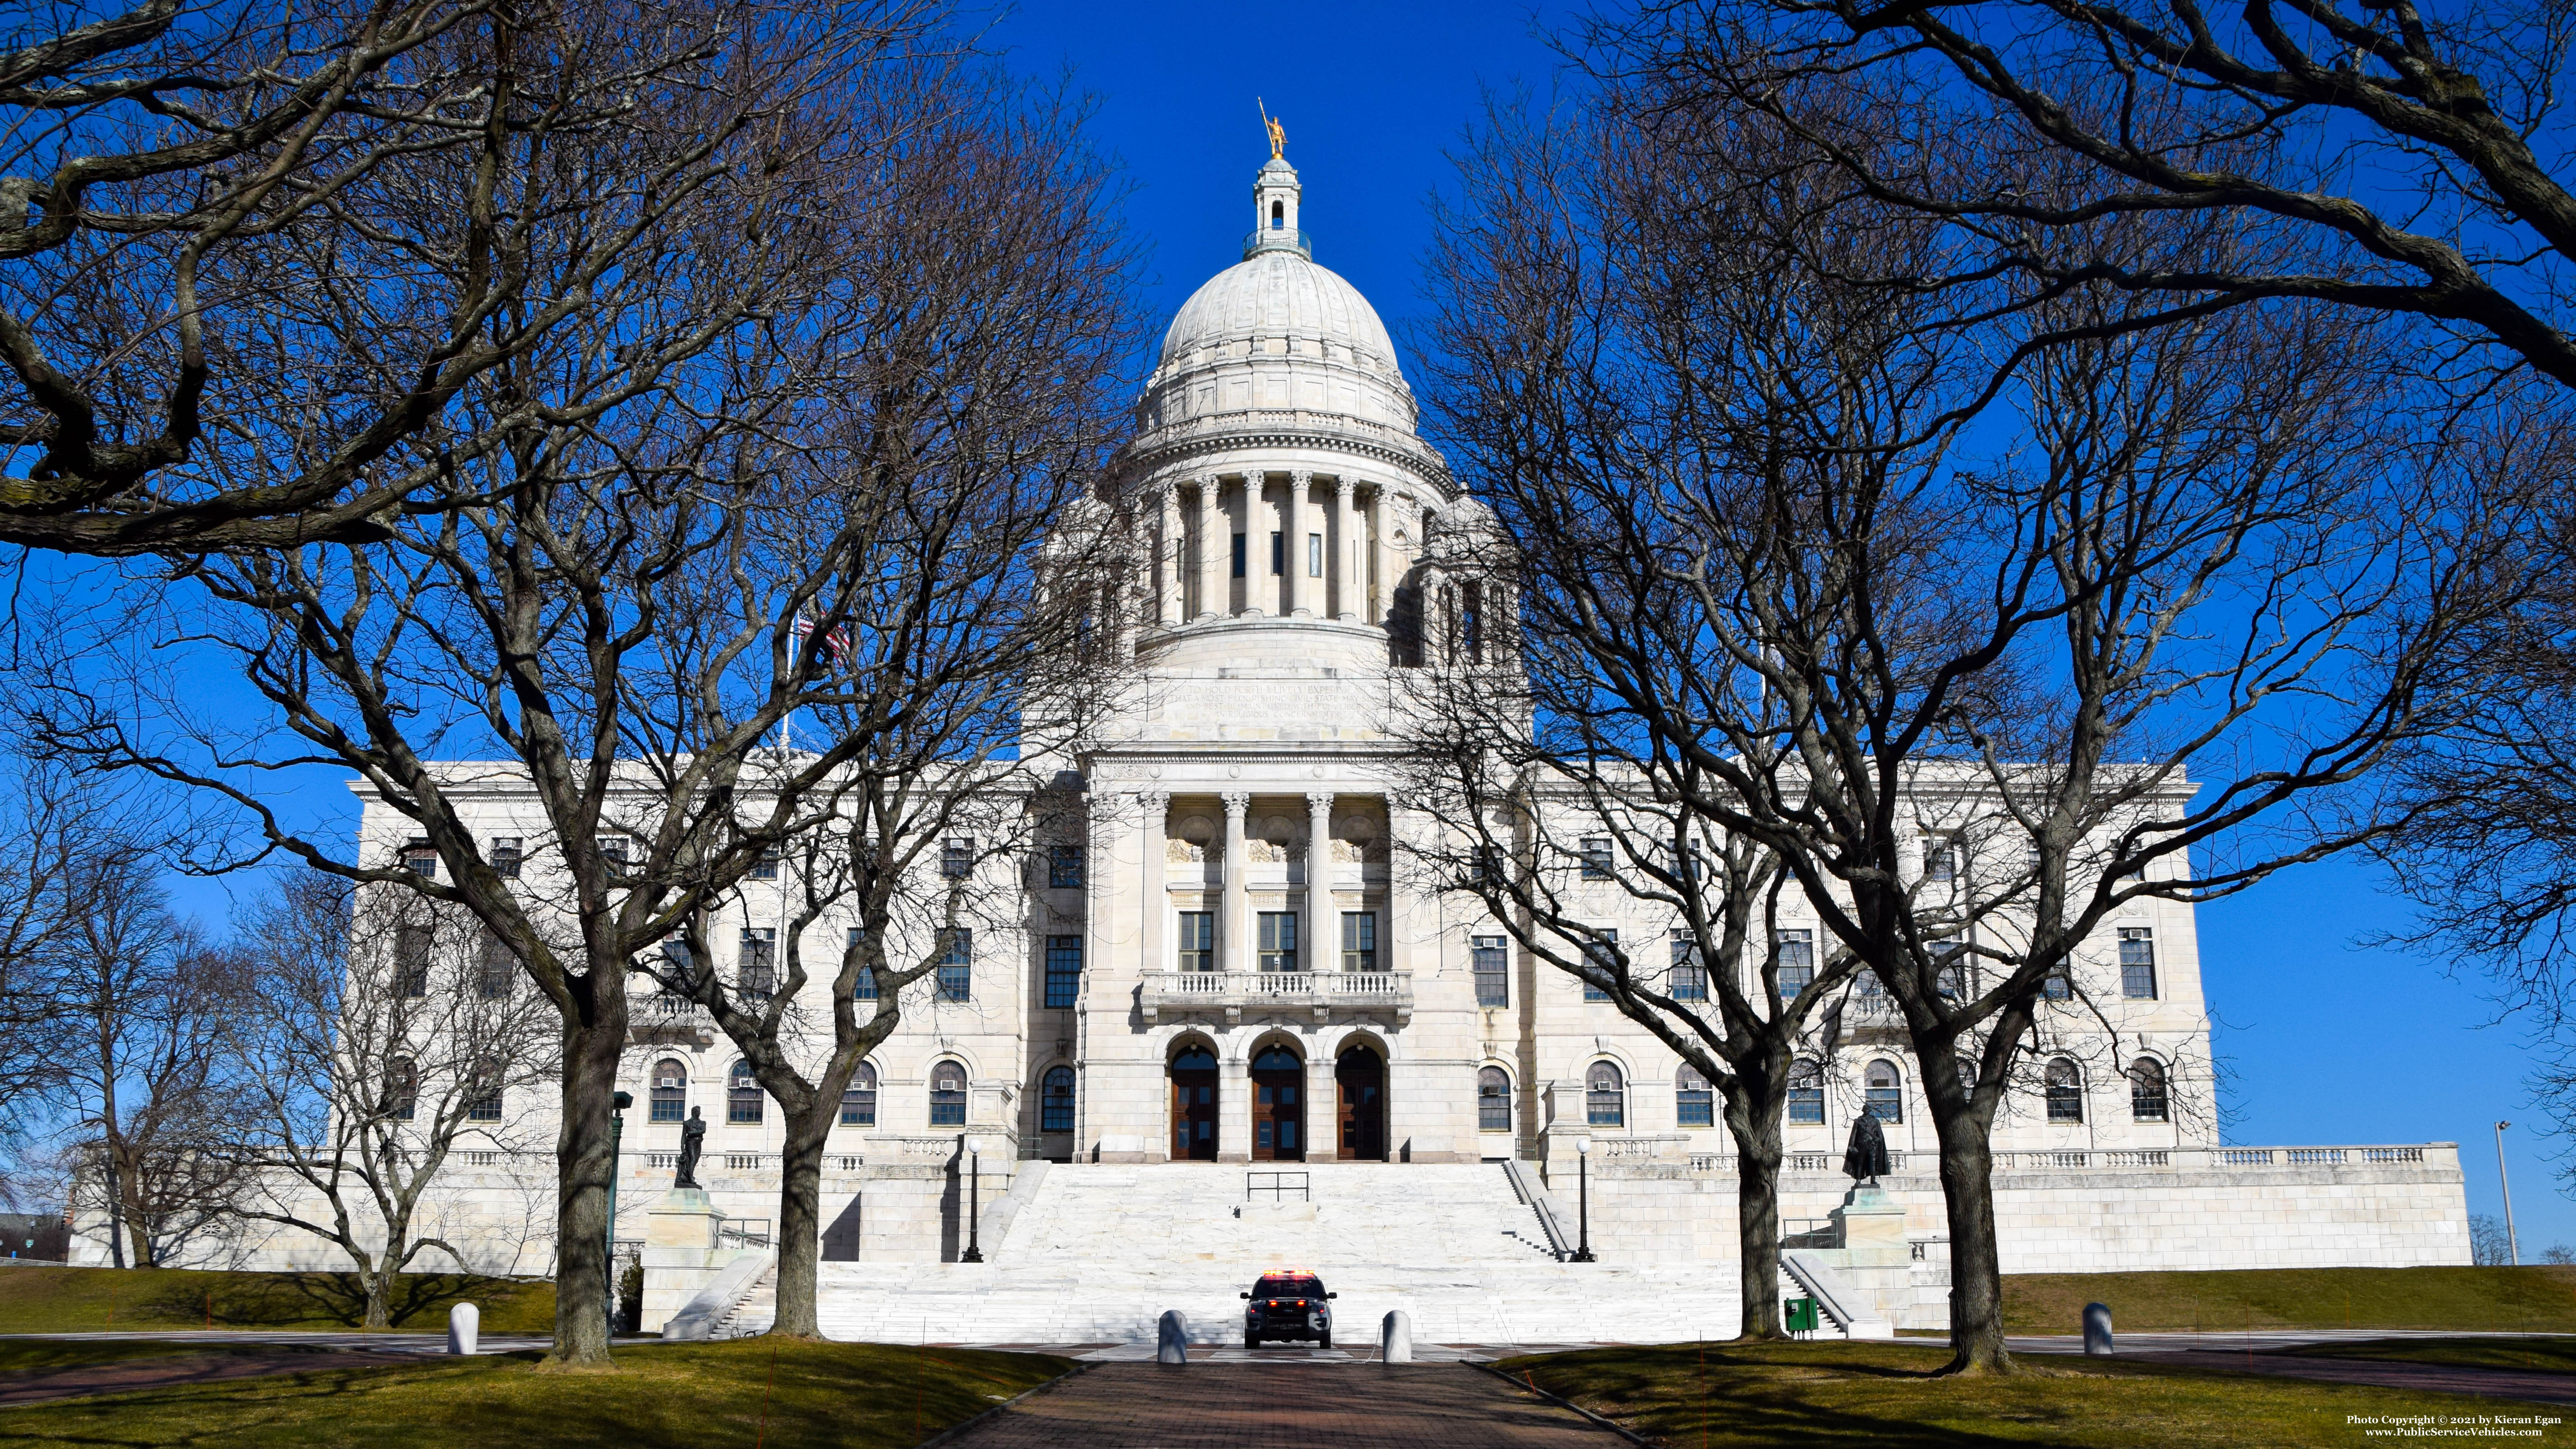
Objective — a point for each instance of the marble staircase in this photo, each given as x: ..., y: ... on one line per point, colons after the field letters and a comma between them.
x: 1099, y: 1252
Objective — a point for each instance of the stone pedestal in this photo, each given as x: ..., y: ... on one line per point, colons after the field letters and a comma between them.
x: 1875, y: 1259
x: 679, y: 1251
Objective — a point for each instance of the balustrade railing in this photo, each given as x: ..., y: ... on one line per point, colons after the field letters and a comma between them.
x: 1209, y: 990
x: 2094, y: 1159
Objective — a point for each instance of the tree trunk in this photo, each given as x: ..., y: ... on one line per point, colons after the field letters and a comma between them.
x: 1976, y: 1268
x: 800, y: 1219
x: 583, y: 1170
x: 1757, y: 1217
x: 379, y: 1284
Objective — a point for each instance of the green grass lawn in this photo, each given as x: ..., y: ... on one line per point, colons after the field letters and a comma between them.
x: 88, y: 1300
x: 2537, y: 1355
x: 1883, y: 1395
x: 2528, y: 1300
x: 667, y: 1396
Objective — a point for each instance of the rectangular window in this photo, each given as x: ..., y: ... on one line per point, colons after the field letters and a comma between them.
x: 505, y: 857
x: 1064, y: 867
x: 1198, y: 941
x: 1063, y: 970
x: 484, y: 1109
x: 1940, y: 857
x: 1359, y: 940
x: 757, y: 974
x: 1491, y: 968
x: 865, y: 988
x: 956, y: 964
x: 411, y: 961
x: 1689, y: 981
x: 1601, y: 963
x: 1279, y: 941
x: 612, y: 853
x: 1314, y: 556
x: 1793, y: 961
x: 494, y: 968
x: 1240, y: 554
x: 1596, y: 859
x: 956, y: 858
x: 421, y: 859
x: 765, y: 865
x: 2057, y: 986
x: 1806, y: 1097
x: 1278, y: 553
x: 2137, y: 963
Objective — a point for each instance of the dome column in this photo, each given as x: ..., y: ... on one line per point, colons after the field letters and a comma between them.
x: 1301, y: 602
x: 1169, y: 589
x: 1211, y: 552
x: 1343, y: 572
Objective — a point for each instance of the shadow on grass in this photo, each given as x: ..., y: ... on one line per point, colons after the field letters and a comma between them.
x: 286, y: 1300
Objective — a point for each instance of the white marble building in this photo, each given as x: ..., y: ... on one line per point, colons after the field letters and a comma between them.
x: 1226, y: 969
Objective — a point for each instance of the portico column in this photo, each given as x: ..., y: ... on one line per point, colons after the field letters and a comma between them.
x: 1348, y: 576
x: 1153, y: 808
x: 1319, y: 888
x: 1169, y: 590
x: 1238, y: 955
x: 1211, y: 552
x: 1301, y: 602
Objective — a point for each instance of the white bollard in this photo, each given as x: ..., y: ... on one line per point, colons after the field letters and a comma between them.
x: 2097, y: 1329
x: 1172, y: 1338
x: 1395, y: 1338
x: 464, y: 1325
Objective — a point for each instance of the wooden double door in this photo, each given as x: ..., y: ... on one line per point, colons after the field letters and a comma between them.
x: 1194, y: 1105
x: 1278, y: 1106
x: 1359, y: 1080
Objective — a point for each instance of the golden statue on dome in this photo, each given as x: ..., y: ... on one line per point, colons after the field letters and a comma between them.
x: 1278, y: 133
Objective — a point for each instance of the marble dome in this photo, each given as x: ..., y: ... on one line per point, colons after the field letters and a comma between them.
x: 1279, y: 292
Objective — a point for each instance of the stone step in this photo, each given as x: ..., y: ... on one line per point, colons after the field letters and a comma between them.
x: 1099, y: 1254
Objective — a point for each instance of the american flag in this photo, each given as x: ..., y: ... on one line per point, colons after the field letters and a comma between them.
x: 834, y: 646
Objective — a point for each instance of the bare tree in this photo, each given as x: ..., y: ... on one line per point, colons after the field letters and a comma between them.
x: 2399, y: 159
x: 621, y: 628
x: 2137, y: 647
x: 146, y: 1006
x: 382, y: 1032
x: 987, y: 636
x: 266, y: 267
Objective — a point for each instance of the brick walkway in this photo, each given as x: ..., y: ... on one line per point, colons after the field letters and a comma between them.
x: 1227, y: 1406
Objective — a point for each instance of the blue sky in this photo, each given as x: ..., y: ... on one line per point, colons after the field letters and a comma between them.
x: 2332, y: 1041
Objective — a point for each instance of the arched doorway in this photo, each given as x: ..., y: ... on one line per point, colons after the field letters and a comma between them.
x: 1360, y: 1077
x: 1194, y: 1104
x: 1278, y: 1106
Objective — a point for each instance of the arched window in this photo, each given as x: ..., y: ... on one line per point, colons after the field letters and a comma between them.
x: 742, y: 1095
x: 670, y: 1090
x: 1055, y: 1100
x: 1886, y: 1091
x: 859, y: 1098
x: 947, y: 1095
x: 1694, y: 1104
x: 1806, y: 1094
x: 2065, y: 1092
x: 1605, y: 1102
x: 1493, y: 1100
x: 1278, y: 215
x: 402, y: 1088
x: 2147, y: 1096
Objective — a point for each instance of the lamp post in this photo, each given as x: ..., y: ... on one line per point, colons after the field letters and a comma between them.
x: 608, y: 1260
x: 1583, y: 1198
x: 2513, y: 1244
x: 974, y: 1201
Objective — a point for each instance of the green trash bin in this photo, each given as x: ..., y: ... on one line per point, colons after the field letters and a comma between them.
x: 1800, y: 1314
